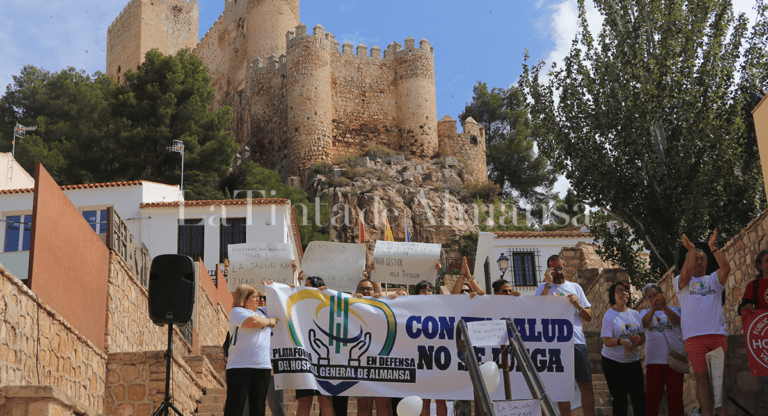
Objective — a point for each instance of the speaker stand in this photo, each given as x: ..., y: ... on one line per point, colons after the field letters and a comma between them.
x: 168, y: 402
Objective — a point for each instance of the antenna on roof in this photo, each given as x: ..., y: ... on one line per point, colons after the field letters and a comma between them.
x: 178, y: 147
x: 18, y: 132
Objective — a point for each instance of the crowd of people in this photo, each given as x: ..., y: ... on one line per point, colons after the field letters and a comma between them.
x: 674, y: 338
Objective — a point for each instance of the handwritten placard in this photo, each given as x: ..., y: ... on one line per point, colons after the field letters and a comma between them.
x: 517, y: 408
x: 409, y: 263
x: 340, y: 265
x: 488, y: 333
x: 716, y: 365
x: 254, y: 262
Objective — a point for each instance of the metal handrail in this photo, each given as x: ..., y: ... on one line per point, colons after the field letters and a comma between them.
x: 535, y: 385
x: 464, y: 344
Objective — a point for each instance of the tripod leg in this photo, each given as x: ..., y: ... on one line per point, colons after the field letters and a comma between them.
x: 178, y: 412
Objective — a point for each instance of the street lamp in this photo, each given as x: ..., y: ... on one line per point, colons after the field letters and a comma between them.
x: 503, y: 263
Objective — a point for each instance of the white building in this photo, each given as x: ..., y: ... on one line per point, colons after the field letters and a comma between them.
x: 527, y: 252
x: 156, y: 217
x: 14, y: 176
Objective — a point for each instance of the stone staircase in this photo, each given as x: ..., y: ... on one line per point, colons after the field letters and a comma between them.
x: 212, y: 404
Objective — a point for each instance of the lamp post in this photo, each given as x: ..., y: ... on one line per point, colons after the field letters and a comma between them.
x: 503, y: 263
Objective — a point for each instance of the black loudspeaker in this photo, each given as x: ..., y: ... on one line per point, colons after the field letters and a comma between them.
x: 171, y: 289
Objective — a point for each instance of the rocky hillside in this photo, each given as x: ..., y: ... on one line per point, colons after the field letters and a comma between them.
x: 429, y: 195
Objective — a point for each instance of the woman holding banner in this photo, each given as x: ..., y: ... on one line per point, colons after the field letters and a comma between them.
x: 664, y: 343
x: 304, y: 396
x: 248, y: 364
x: 622, y: 333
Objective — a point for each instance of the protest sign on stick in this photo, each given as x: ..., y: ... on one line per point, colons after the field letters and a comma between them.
x: 401, y: 262
x: 340, y: 265
x: 253, y: 263
x: 756, y: 338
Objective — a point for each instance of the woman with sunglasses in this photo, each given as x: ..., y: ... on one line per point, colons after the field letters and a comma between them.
x: 466, y: 283
x: 622, y: 333
x: 248, y: 364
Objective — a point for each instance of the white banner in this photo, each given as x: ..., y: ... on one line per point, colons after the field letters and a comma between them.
x: 254, y: 262
x: 340, y: 265
x: 409, y: 263
x: 342, y: 345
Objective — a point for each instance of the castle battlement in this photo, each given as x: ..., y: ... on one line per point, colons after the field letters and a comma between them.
x: 301, y: 97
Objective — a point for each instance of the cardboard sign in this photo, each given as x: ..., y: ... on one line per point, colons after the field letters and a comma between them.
x: 756, y: 338
x: 488, y: 333
x: 340, y: 265
x: 716, y: 366
x: 408, y: 263
x: 517, y: 408
x: 254, y: 263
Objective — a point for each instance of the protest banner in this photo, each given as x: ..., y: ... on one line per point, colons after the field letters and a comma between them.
x: 408, y: 263
x: 254, y: 262
x: 384, y: 347
x: 340, y: 265
x: 756, y: 338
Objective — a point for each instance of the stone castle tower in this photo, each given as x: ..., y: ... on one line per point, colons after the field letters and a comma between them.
x: 300, y: 98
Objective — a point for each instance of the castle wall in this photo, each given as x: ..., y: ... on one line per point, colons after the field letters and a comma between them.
x: 168, y: 25
x: 416, y: 105
x: 364, y: 101
x: 309, y: 96
x: 123, y: 41
x: 38, y: 346
x: 469, y: 145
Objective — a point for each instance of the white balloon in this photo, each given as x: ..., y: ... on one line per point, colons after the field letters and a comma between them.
x: 409, y: 406
x: 490, y: 373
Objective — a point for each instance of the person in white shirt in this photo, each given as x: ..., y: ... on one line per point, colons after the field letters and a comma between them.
x: 663, y: 339
x: 622, y: 333
x: 248, y: 364
x: 702, y: 319
x: 555, y: 284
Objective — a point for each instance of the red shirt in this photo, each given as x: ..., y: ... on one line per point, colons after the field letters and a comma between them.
x: 762, y: 293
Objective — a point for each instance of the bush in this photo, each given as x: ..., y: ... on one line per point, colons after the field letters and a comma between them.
x: 454, y: 271
x: 339, y: 182
x: 348, y: 161
x: 379, y: 151
x: 353, y: 173
x: 486, y: 191
x: 323, y: 168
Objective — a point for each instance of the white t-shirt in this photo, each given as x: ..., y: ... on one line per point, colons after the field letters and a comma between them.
x: 564, y: 289
x: 701, y: 303
x: 249, y: 347
x: 656, y: 348
x: 621, y: 325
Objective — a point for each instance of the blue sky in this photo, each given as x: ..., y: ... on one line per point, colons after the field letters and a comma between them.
x: 483, y: 40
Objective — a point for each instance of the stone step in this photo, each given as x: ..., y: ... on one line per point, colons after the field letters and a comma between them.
x: 215, y: 392
x: 210, y: 408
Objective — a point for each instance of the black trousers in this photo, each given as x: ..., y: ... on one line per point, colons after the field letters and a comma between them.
x: 250, y: 383
x: 625, y: 380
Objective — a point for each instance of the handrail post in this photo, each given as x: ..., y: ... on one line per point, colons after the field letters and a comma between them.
x: 463, y: 343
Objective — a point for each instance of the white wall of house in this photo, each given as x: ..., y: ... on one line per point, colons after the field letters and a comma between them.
x: 16, y: 178
x: 159, y: 227
x: 490, y: 246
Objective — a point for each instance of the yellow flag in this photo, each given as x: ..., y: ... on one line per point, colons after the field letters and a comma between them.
x: 388, y: 234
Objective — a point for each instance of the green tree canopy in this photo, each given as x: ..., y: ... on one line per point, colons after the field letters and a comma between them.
x: 94, y: 130
x: 69, y: 108
x: 266, y: 183
x: 651, y: 121
x: 512, y: 160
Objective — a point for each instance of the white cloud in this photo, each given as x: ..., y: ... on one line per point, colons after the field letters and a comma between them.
x: 54, y: 35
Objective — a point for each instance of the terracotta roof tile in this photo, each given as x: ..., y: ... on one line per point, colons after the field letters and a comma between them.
x: 542, y: 234
x: 228, y: 202
x: 85, y: 186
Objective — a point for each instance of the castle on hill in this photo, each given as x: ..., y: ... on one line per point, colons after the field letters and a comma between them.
x: 300, y: 98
